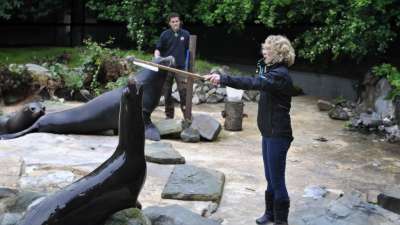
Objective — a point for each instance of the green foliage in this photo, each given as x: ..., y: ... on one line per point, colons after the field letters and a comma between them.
x: 14, y: 78
x: 336, y: 28
x: 326, y: 28
x: 233, y: 12
x: 93, y: 55
x: 72, y: 78
x: 392, y: 74
x: 333, y: 28
x: 39, y: 55
x: 140, y: 16
x: 122, y: 81
x: 28, y: 9
x: 6, y: 8
x: 339, y: 100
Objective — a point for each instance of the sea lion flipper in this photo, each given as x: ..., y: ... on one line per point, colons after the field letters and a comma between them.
x: 152, y: 133
x: 18, y: 134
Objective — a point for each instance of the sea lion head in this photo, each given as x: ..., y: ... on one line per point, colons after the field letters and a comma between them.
x: 131, y: 126
x: 166, y: 61
x: 131, y: 100
x: 35, y: 108
x: 132, y: 91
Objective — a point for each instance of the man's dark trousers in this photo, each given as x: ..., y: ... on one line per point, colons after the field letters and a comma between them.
x: 169, y: 102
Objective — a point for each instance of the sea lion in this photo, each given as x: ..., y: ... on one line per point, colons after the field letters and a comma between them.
x: 152, y: 84
x: 22, y: 119
x: 113, y: 186
x: 101, y: 113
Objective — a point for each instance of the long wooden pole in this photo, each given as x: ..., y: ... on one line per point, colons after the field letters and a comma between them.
x: 170, y: 69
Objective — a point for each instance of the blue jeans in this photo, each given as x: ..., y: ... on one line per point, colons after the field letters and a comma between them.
x: 274, y: 151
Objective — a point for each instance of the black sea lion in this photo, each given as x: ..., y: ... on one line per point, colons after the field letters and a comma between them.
x: 22, y: 119
x: 113, y: 186
x: 101, y: 113
x: 152, y: 84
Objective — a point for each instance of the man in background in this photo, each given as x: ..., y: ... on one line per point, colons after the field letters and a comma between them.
x: 174, y: 41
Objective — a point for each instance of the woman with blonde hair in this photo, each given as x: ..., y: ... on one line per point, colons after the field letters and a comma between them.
x: 273, y: 120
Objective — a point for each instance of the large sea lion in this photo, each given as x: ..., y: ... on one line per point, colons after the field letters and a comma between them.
x: 101, y: 113
x: 152, y: 84
x: 113, y: 186
x: 21, y: 119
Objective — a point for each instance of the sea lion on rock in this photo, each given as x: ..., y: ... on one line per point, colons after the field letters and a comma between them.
x: 22, y: 119
x: 101, y: 113
x: 113, y: 186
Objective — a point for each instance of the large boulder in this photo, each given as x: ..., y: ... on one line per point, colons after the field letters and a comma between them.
x: 208, y: 127
x: 169, y: 127
x: 38, y: 71
x: 131, y: 216
x: 393, y: 133
x: 382, y: 105
x: 374, y: 96
x: 339, y: 113
x: 324, y: 105
x: 190, y: 135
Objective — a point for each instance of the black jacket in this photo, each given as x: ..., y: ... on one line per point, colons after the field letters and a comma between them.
x: 276, y: 90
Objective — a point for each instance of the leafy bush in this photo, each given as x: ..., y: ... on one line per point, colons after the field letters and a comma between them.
x: 72, y: 78
x: 392, y: 74
x: 92, y: 57
x: 349, y: 28
x: 28, y: 9
x: 122, y: 81
x: 14, y: 79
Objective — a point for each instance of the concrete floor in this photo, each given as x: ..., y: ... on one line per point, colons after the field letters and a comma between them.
x: 347, y: 161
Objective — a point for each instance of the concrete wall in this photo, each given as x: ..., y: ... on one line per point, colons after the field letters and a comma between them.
x: 321, y: 85
x: 324, y: 85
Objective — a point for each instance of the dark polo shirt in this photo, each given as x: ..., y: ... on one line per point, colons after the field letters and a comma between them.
x: 175, y: 44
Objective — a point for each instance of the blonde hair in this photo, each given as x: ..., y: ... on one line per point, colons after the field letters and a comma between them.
x: 281, y: 48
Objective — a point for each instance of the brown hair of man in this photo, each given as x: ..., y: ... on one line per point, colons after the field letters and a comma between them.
x: 173, y: 15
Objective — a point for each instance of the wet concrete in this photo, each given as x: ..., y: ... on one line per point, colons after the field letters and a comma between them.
x: 347, y: 161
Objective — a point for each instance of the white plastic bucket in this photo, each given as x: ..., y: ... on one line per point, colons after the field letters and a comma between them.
x: 233, y: 94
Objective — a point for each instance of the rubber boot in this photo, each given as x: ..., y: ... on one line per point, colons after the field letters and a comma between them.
x: 151, y: 132
x: 281, y: 212
x: 269, y: 210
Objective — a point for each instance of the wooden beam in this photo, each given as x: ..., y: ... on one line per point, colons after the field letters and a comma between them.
x: 170, y: 69
x: 189, y: 82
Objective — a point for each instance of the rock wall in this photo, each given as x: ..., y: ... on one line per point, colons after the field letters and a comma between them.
x: 374, y: 111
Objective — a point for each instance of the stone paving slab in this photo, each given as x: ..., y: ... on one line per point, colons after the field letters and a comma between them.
x: 188, y: 182
x: 163, y: 153
x: 176, y: 215
x: 350, y: 209
x: 390, y: 199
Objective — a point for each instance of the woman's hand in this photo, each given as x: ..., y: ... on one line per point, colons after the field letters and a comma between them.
x: 214, y: 78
